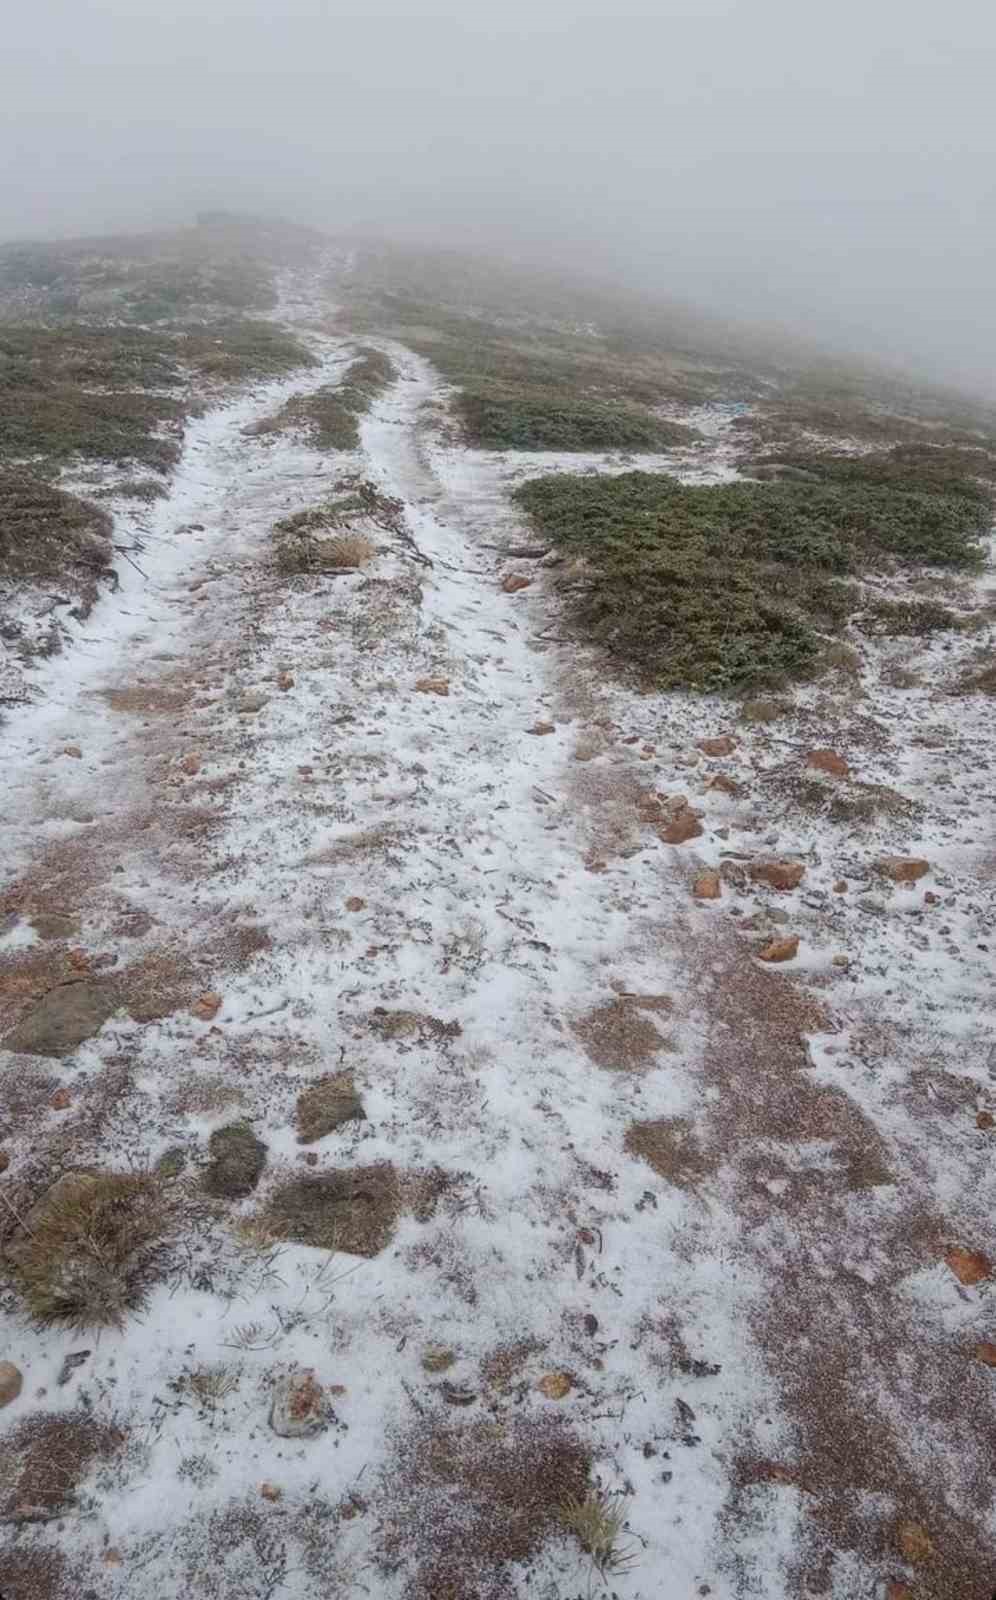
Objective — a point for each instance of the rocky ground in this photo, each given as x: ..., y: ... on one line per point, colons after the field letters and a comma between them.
x: 514, y: 1088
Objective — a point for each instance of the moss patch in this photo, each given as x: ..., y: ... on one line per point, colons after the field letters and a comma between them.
x: 238, y: 1159
x: 326, y: 1105
x: 353, y: 1209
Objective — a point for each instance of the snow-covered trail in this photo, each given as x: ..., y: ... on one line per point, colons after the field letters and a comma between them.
x: 388, y: 825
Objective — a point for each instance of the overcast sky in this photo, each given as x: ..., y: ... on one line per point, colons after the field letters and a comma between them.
x: 831, y: 165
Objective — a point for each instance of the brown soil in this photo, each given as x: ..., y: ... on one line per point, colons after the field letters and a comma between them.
x: 463, y: 1503
x: 671, y: 1147
x: 51, y: 1455
x: 615, y: 1035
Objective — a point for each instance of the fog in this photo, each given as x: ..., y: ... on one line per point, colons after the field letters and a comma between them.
x: 829, y: 167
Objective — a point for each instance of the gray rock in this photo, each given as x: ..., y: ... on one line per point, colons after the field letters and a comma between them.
x: 298, y: 1409
x: 64, y: 1018
x: 251, y: 703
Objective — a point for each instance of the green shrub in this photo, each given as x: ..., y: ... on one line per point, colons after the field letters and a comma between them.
x: 735, y: 586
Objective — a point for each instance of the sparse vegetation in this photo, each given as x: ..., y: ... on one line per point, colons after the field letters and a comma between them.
x: 499, y: 415
x: 46, y: 534
x: 897, y: 618
x: 597, y: 1521
x: 330, y: 416
x: 738, y: 584
x: 92, y: 1248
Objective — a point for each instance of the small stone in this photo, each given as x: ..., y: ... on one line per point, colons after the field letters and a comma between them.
x: 708, y: 886
x: 433, y: 686
x: 75, y: 1359
x: 112, y: 1556
x: 207, y: 1007
x: 930, y: 898
x: 781, y: 875
x: 251, y: 703
x: 986, y: 1353
x: 4, y: 1161
x: 305, y: 771
x: 297, y: 1410
x: 514, y: 581
x: 354, y: 903
x: 310, y: 1158
x: 913, y: 1542
x: 724, y: 783
x: 436, y: 1358
x: 828, y: 761
x: 285, y: 681
x: 541, y: 728
x: 840, y: 887
x: 780, y: 950
x: 191, y: 764
x: 72, y: 750
x: 11, y: 1382
x: 61, y: 1100
x: 842, y: 961
x: 269, y: 1491
x: 590, y: 1324
x: 723, y: 746
x: 983, y: 1119
x: 903, y: 869
x: 684, y: 825
x: 555, y: 1385
x: 969, y: 1266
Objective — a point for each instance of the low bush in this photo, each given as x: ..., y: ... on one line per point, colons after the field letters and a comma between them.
x: 735, y: 586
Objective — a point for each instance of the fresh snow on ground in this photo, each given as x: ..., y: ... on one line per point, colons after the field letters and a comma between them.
x: 477, y: 921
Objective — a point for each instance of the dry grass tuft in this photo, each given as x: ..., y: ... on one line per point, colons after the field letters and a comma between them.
x: 91, y: 1249
x: 349, y: 550
x: 597, y: 1522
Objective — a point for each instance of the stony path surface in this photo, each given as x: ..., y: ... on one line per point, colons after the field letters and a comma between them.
x: 363, y: 910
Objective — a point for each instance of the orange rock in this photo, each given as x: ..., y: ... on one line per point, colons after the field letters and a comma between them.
x: 840, y: 887
x: 903, y: 869
x: 828, y: 761
x: 542, y: 727
x: 782, y: 875
x: 708, y: 886
x: 985, y: 1120
x: 684, y: 825
x: 72, y: 750
x: 969, y: 1266
x: 514, y: 581
x: 354, y: 903
x: 207, y: 1007
x: 723, y: 746
x: 986, y: 1352
x: 61, y: 1100
x: 191, y: 764
x: 780, y: 950
x: 913, y: 1542
x: 112, y: 1557
x: 555, y: 1385
x: 269, y: 1491
x: 433, y: 686
x: 285, y: 681
x: 79, y: 960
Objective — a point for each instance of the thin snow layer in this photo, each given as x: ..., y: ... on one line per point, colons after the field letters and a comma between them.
x: 441, y: 899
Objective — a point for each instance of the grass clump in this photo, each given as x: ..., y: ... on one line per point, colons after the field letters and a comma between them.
x: 597, y: 1522
x: 735, y: 586
x: 92, y: 1248
x: 233, y: 352
x: 901, y: 618
x: 45, y: 532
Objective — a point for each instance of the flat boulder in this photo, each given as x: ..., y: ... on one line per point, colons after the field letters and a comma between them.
x: 64, y: 1018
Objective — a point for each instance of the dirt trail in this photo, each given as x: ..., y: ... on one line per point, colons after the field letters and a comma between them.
x: 376, y: 825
